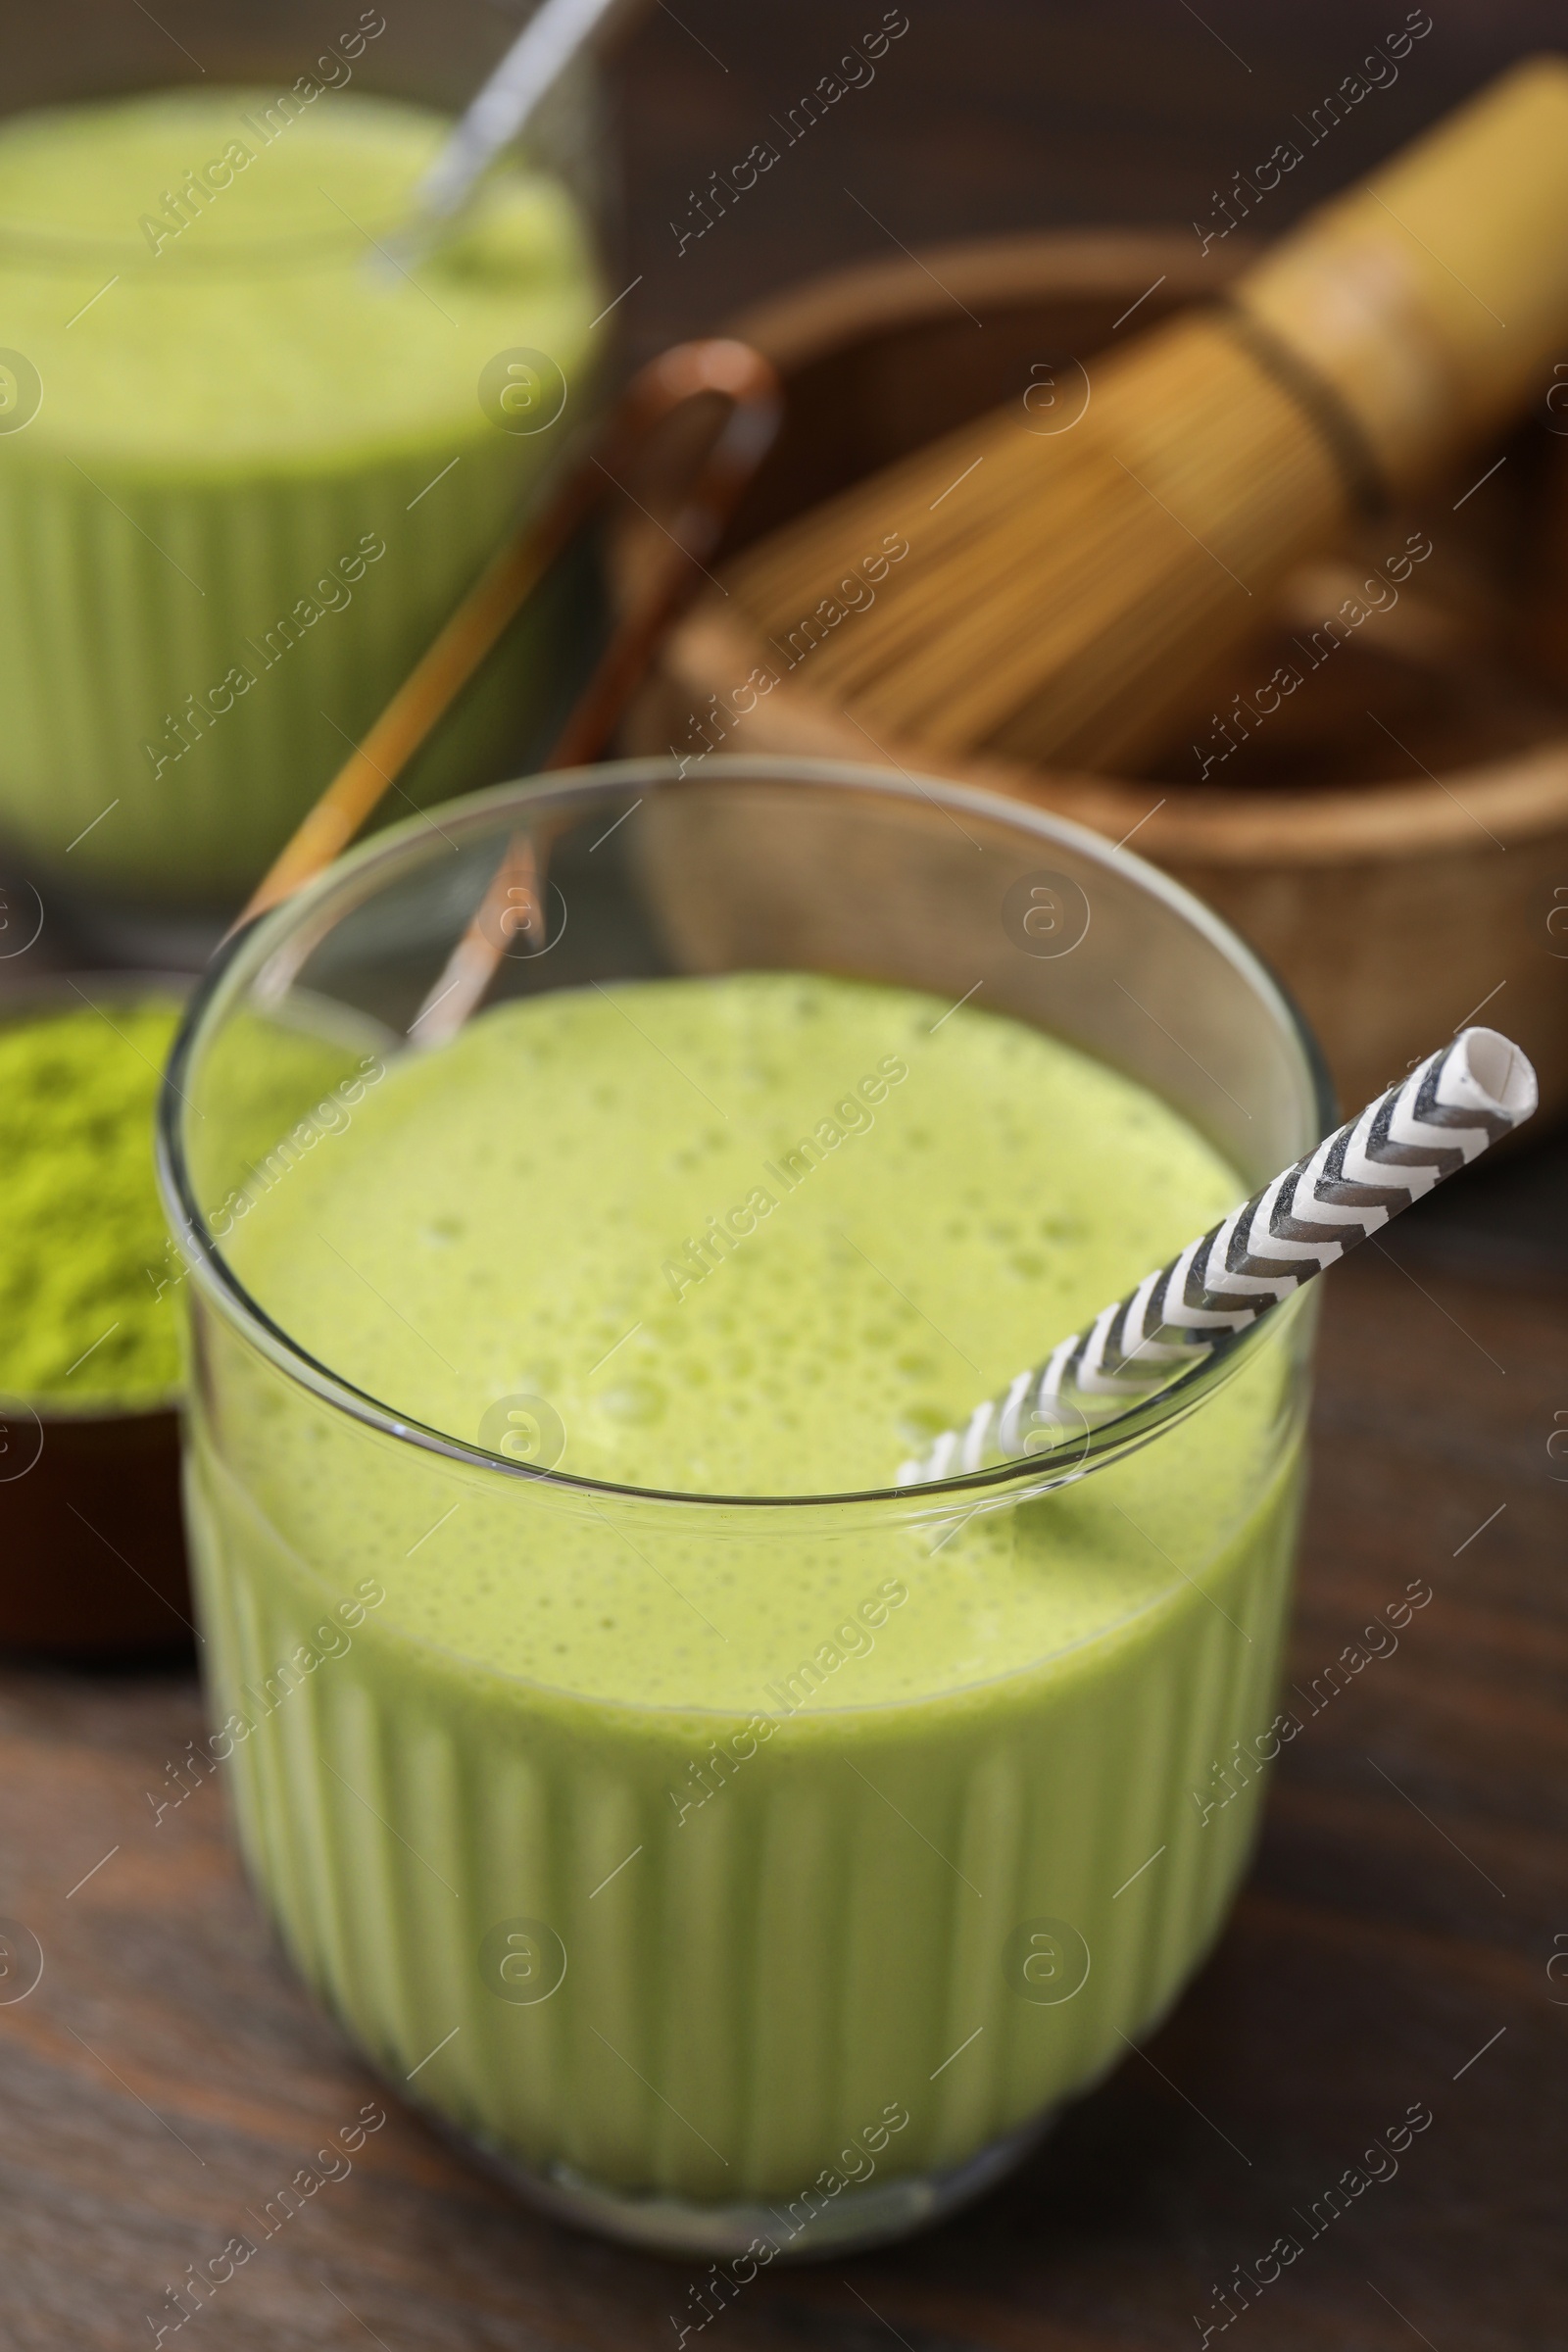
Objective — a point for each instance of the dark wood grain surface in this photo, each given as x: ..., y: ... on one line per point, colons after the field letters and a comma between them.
x: 1395, y: 1944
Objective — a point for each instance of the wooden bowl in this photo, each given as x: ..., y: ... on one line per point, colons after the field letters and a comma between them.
x: 1395, y: 842
x: 92, y: 1542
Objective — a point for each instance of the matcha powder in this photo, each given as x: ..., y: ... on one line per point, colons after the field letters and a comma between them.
x: 87, y: 1316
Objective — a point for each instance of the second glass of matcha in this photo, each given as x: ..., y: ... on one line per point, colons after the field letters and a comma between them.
x: 249, y: 460
x: 748, y: 1855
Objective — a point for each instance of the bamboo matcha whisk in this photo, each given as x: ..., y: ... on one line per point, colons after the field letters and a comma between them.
x: 1064, y: 594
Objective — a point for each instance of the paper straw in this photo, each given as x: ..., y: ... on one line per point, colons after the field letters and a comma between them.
x: 1425, y: 1128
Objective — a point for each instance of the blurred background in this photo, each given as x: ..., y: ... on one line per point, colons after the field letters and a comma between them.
x: 1364, y: 1954
x: 999, y: 115
x: 990, y: 118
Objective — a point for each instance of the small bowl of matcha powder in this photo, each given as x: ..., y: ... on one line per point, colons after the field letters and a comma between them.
x: 88, y: 1311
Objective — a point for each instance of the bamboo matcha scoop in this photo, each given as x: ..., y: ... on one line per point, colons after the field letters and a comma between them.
x: 1063, y: 590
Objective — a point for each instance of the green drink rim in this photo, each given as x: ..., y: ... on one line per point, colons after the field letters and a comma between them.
x: 288, y: 932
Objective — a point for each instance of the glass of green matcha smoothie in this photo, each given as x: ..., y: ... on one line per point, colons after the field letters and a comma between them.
x: 248, y: 461
x: 749, y: 1855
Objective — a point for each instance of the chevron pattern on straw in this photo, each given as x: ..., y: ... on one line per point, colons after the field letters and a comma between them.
x: 1431, y: 1124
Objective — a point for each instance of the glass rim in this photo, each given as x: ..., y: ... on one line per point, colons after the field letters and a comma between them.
x: 352, y: 879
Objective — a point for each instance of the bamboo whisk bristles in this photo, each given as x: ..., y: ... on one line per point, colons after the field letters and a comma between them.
x: 1058, y: 565
x: 1063, y: 596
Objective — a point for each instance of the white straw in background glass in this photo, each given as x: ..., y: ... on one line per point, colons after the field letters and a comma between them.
x: 553, y: 36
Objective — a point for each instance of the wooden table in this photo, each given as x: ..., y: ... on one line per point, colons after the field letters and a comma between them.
x: 1394, y: 1945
